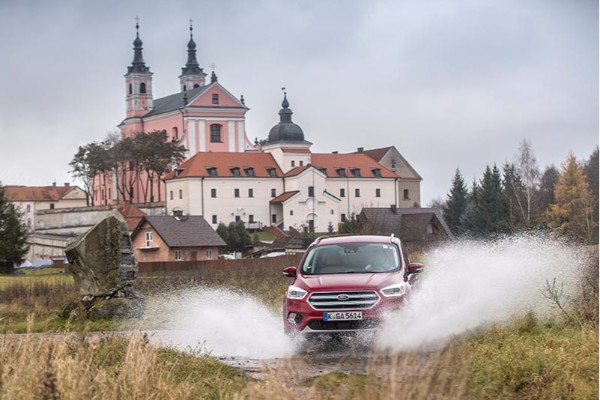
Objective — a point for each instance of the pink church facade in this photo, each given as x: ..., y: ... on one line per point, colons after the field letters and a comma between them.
x: 202, y: 117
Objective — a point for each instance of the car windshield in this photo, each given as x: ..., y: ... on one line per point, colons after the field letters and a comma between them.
x: 351, y: 258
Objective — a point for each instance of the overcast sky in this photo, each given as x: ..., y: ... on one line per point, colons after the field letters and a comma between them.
x: 451, y: 84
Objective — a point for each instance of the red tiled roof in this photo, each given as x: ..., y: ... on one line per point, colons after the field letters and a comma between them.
x: 292, y: 150
x: 284, y: 196
x: 132, y: 215
x: 377, y: 154
x: 333, y: 161
x: 297, y: 170
x: 36, y: 193
x: 197, y: 166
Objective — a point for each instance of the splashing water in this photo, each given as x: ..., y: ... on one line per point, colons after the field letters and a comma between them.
x: 220, y: 323
x: 470, y: 284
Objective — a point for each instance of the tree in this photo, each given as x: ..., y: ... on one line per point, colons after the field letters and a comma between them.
x: 456, y: 204
x: 13, y: 246
x: 573, y: 210
x: 529, y: 173
x: 591, y: 173
x: 234, y: 235
x: 516, y: 197
x: 491, y: 207
x: 87, y: 163
x: 545, y: 194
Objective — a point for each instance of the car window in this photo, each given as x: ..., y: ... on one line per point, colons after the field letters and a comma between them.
x: 351, y: 258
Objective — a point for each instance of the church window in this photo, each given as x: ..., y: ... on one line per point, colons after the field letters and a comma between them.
x: 215, y: 133
x: 311, y: 191
x: 143, y: 87
x: 406, y: 196
x: 196, y: 85
x: 130, y: 89
x: 175, y: 134
x: 215, y: 98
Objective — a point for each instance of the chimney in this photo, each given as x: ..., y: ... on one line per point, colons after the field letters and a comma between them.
x: 360, y: 149
x: 178, y: 213
x: 67, y: 184
x: 334, y: 152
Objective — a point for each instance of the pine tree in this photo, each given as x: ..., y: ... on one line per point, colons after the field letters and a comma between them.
x: 13, y: 237
x: 573, y: 210
x: 456, y: 204
x: 491, y: 207
x: 515, y: 193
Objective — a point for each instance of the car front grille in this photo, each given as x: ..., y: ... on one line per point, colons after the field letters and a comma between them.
x: 343, y: 300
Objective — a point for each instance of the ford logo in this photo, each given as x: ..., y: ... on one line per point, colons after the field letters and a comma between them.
x: 343, y: 297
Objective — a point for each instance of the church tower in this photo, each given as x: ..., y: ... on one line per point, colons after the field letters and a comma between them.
x: 192, y: 76
x: 138, y: 80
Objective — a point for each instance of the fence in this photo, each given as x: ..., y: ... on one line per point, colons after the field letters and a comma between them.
x: 164, y: 266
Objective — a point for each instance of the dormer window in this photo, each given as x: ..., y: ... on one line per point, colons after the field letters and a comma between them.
x: 212, y: 171
x: 355, y: 171
x: 178, y: 171
x: 235, y: 171
x: 249, y: 171
x: 323, y: 170
x: 215, y: 98
x: 376, y: 172
x: 272, y: 171
x: 341, y: 171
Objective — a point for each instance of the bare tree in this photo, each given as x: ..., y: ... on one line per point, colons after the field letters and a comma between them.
x: 530, y: 174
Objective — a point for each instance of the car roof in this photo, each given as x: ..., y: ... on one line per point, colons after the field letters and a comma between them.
x: 328, y: 240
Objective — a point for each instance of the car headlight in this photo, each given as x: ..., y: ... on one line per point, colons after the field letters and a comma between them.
x: 295, y: 293
x: 397, y: 289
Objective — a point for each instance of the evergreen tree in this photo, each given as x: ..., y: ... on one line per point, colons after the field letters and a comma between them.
x: 573, y: 210
x: 516, y: 198
x: 468, y: 218
x: 456, y: 204
x: 591, y: 173
x: 491, y: 207
x: 545, y: 193
x: 234, y: 235
x: 13, y: 237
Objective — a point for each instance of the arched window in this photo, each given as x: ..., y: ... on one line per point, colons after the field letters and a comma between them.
x: 175, y: 134
x: 184, y: 88
x: 215, y: 133
x: 130, y: 89
x: 196, y: 85
x: 143, y: 87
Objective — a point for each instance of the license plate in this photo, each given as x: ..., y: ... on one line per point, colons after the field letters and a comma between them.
x: 342, y: 316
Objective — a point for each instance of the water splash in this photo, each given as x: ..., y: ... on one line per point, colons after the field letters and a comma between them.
x: 471, y: 284
x: 220, y: 323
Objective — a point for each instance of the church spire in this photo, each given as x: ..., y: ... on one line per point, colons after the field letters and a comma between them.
x: 138, y: 80
x: 138, y: 64
x: 192, y: 76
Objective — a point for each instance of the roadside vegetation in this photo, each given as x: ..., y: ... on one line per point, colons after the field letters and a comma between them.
x: 527, y: 358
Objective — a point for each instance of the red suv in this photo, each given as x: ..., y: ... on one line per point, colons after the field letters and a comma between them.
x: 346, y: 283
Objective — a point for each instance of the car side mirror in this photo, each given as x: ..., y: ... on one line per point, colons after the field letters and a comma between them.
x: 289, y: 271
x: 415, y: 268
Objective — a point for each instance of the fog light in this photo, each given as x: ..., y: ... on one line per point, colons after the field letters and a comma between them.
x: 294, y: 318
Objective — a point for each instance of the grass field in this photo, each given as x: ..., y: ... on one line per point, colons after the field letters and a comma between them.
x: 528, y: 358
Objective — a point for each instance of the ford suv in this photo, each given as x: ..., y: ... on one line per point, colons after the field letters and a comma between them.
x: 346, y: 284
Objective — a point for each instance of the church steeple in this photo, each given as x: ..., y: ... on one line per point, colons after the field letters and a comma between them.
x: 138, y: 80
x: 192, y: 76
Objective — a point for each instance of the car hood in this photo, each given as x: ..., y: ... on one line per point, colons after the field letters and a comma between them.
x: 355, y: 281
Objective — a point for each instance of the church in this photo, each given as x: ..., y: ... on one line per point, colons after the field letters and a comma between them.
x: 226, y: 177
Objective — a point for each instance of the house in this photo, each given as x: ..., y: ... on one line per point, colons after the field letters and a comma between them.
x: 410, y: 183
x: 175, y: 238
x: 30, y: 200
x: 415, y: 226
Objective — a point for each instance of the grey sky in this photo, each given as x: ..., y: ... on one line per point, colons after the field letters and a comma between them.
x: 452, y: 84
